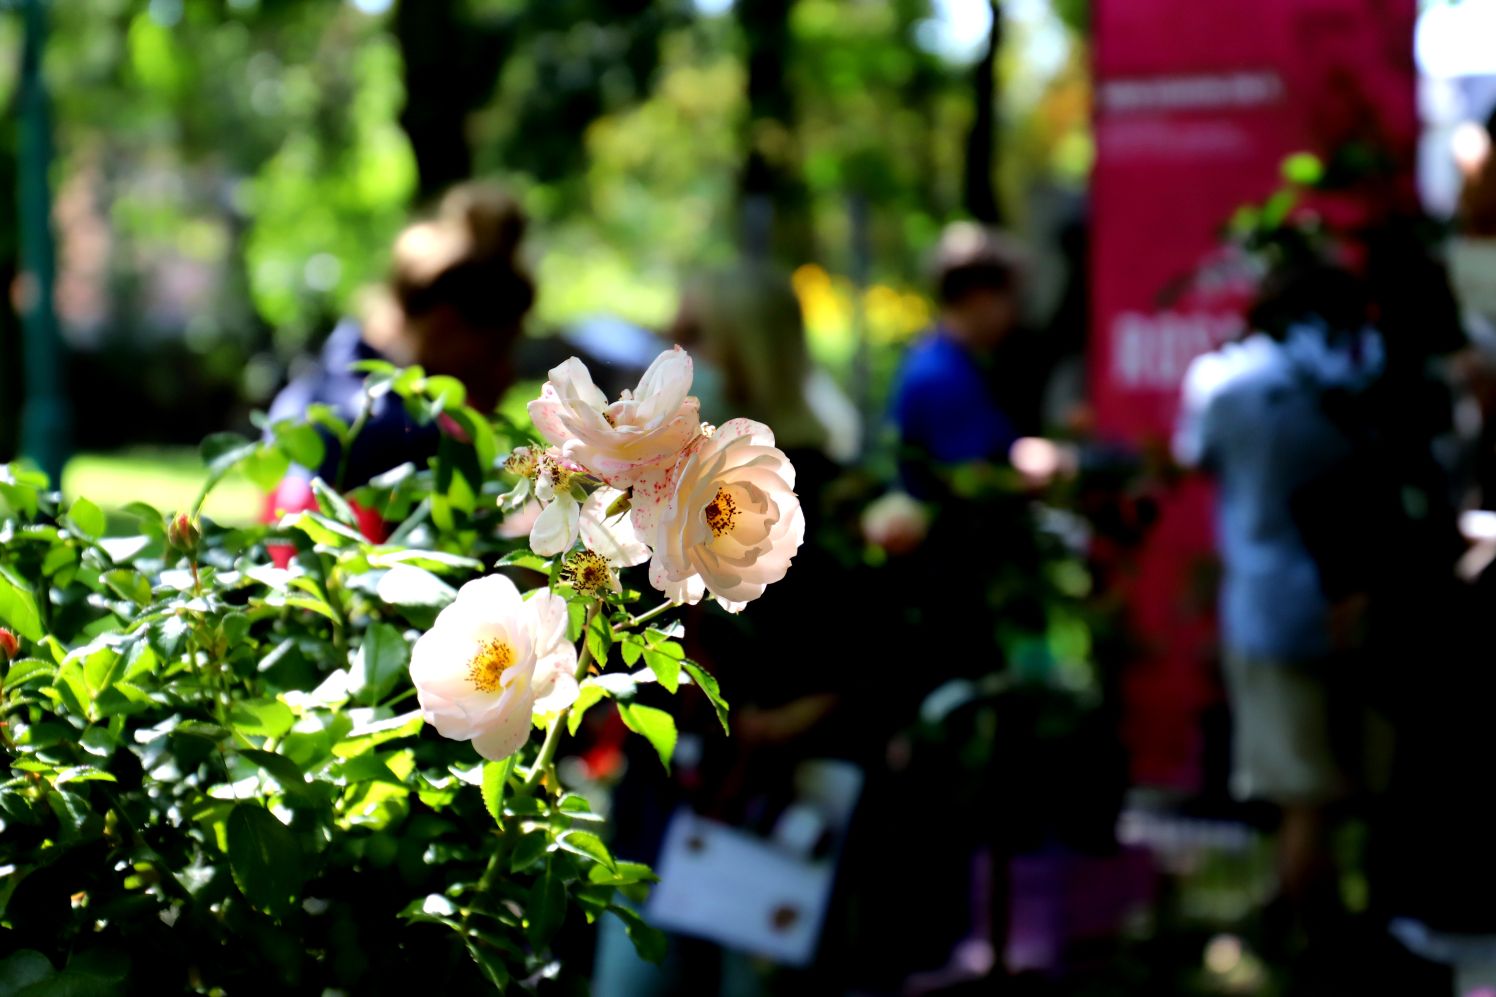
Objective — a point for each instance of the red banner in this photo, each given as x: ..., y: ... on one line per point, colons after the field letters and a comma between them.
x: 1198, y: 104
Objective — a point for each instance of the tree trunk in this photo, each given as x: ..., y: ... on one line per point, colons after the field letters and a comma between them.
x: 451, y: 66
x: 775, y: 202
x: 979, y: 193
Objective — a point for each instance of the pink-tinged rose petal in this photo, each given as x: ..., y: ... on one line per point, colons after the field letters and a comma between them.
x: 732, y: 519
x: 646, y: 428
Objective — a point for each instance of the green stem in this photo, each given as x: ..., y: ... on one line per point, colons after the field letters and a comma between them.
x: 358, y: 426
x: 340, y: 635
x: 10, y: 746
x: 634, y: 621
x: 485, y: 883
x: 553, y: 735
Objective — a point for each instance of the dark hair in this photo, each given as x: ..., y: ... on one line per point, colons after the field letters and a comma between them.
x: 957, y: 282
x: 972, y: 258
x: 1295, y: 292
x: 466, y: 257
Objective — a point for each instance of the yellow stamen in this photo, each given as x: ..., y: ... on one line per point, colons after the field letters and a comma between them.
x: 721, y: 513
x: 487, y: 666
x: 587, y: 571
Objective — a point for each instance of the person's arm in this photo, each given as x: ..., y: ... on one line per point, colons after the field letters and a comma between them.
x: 1193, y: 443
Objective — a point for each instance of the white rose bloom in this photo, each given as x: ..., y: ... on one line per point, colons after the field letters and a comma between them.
x: 630, y: 443
x: 491, y: 662
x: 733, y: 523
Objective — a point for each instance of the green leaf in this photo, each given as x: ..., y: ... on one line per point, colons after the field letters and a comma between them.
x: 632, y: 649
x: 22, y: 968
x: 333, y: 504
x: 525, y: 559
x: 72, y: 689
x: 378, y: 367
x: 82, y: 773
x: 266, y: 718
x: 366, y: 736
x: 58, y: 558
x: 666, y: 669
x: 286, y: 773
x: 324, y: 415
x: 492, y: 965
x: 708, y: 684
x: 323, y: 530
x: 265, y: 859
x: 587, y: 696
x: 76, y: 820
x: 430, y: 559
x: 18, y: 606
x: 26, y: 670
x: 128, y: 584
x: 574, y: 804
x: 528, y: 850
x: 545, y: 908
x: 447, y: 392
x: 407, y: 586
x: 657, y: 726
x: 485, y: 443
x: 495, y: 782
x: 221, y: 451
x: 587, y: 845
x: 100, y: 668
x: 379, y: 663
x: 301, y: 442
x: 266, y: 467
x: 87, y: 517
x: 599, y: 639
x: 201, y: 728
x: 622, y: 874
x: 648, y: 941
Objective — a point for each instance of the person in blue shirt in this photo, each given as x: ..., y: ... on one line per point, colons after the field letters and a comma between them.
x: 1271, y: 417
x: 965, y: 390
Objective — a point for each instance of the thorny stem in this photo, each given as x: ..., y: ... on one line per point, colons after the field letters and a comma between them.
x: 485, y: 883
x: 553, y: 736
x: 634, y: 621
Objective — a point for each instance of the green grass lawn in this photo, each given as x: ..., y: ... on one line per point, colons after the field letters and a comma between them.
x: 167, y: 478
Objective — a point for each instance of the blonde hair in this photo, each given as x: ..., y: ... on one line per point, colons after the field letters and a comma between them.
x: 464, y: 257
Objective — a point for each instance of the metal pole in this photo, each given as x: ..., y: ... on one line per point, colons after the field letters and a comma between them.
x: 45, y: 414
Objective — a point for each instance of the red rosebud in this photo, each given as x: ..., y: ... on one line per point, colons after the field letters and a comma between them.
x: 182, y: 533
x: 10, y: 644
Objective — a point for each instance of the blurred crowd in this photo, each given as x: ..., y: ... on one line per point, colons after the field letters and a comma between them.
x: 924, y: 783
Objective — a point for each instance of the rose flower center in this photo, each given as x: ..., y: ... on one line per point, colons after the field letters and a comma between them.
x: 587, y: 571
x: 721, y: 513
x: 488, y: 664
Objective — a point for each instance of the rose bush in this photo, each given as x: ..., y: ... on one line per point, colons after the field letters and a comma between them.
x: 339, y: 775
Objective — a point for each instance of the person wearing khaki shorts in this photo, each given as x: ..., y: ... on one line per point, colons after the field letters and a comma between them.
x: 1253, y: 415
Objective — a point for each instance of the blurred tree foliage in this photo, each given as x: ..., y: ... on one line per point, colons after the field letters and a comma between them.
x: 231, y: 172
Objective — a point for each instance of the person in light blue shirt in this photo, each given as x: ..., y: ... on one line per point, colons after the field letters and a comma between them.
x: 1263, y: 416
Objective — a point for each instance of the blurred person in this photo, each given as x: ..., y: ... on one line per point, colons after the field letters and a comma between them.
x: 745, y: 328
x: 1268, y: 417
x: 970, y: 388
x: 1476, y: 212
x: 454, y: 302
